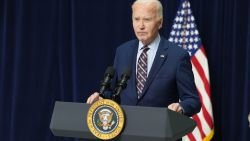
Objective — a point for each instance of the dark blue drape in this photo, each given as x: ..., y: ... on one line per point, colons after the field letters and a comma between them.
x: 59, y: 49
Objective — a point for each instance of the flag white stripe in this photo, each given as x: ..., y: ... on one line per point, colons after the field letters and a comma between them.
x: 185, y: 138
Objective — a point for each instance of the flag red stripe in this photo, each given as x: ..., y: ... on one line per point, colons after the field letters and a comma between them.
x: 205, y: 113
x: 202, y: 74
x: 191, y: 137
x: 198, y: 122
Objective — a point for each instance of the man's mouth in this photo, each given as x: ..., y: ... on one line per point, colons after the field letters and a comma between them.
x: 142, y: 33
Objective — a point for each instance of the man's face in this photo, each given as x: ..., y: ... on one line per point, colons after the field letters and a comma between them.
x: 146, y: 23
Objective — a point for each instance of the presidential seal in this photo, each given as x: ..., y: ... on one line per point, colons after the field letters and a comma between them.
x: 105, y: 119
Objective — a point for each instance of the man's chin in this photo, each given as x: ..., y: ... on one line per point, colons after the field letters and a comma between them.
x: 142, y: 39
x: 145, y: 42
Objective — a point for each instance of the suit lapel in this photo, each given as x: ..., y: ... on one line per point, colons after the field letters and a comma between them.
x: 133, y: 63
x: 160, y: 57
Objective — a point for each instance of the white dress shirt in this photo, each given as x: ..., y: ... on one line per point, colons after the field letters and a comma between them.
x: 153, y: 46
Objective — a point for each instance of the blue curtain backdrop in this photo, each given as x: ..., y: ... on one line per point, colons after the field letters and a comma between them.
x: 59, y: 49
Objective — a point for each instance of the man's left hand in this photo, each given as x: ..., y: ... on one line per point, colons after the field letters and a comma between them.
x: 176, y: 107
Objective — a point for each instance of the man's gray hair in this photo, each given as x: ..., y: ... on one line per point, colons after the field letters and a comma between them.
x: 158, y: 5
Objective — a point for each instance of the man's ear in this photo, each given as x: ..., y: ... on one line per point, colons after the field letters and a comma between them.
x: 160, y: 23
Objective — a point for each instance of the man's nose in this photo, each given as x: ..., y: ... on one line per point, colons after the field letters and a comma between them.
x: 141, y: 25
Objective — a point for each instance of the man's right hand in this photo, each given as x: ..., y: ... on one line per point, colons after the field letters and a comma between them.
x: 93, y: 98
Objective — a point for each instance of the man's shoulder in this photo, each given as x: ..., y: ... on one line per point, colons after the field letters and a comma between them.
x: 173, y: 47
x: 128, y: 44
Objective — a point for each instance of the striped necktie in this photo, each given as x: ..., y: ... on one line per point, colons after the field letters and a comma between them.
x: 142, y: 68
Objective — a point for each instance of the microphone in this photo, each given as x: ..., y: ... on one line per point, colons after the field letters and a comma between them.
x: 122, y: 84
x: 109, y: 74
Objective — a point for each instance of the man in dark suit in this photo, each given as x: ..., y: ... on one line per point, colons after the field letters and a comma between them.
x: 161, y: 71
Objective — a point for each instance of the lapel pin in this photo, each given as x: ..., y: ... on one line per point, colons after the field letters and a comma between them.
x: 162, y: 56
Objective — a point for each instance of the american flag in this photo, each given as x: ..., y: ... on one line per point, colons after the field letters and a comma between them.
x: 185, y: 34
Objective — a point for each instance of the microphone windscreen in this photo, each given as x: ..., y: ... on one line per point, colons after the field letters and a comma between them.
x: 127, y: 72
x: 111, y: 71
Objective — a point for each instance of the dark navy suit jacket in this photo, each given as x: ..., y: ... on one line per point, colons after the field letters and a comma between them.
x: 170, y: 78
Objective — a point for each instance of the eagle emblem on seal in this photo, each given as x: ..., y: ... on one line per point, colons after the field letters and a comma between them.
x: 105, y: 119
